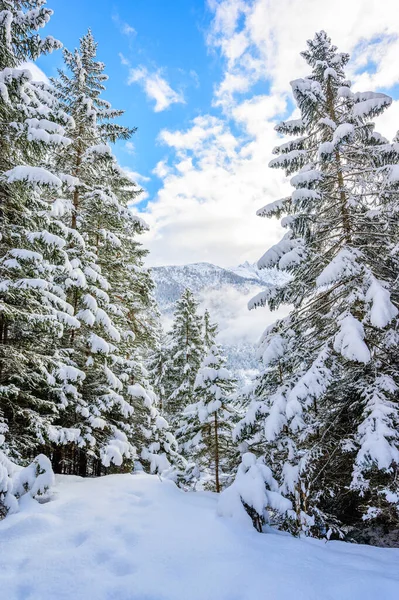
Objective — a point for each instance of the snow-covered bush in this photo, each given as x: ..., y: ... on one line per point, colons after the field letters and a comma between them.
x: 36, y: 480
x: 253, y: 493
x: 156, y: 445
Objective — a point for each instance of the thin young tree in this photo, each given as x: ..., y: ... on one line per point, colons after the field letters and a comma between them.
x: 205, y: 429
x: 187, y: 351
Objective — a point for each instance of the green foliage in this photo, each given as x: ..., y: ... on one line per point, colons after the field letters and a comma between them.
x: 77, y: 313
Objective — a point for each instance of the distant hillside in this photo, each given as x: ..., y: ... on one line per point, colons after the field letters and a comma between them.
x: 225, y: 292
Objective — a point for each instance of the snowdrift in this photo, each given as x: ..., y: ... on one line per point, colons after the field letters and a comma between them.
x: 135, y: 537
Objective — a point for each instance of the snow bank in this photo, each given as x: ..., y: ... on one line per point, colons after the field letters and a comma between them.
x: 135, y: 537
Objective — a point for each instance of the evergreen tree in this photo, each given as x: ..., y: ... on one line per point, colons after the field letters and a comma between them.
x: 210, y: 331
x: 325, y: 412
x: 187, y: 350
x: 33, y: 309
x: 205, y: 430
x: 108, y: 287
x: 159, y: 365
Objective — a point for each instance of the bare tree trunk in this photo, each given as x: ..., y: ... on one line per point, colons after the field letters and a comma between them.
x: 216, y: 455
x: 57, y: 459
x: 346, y: 224
x: 82, y: 463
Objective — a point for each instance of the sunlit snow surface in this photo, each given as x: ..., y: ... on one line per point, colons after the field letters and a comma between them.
x: 135, y: 537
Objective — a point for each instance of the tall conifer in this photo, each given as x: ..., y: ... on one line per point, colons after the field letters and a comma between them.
x: 33, y: 308
x: 326, y: 409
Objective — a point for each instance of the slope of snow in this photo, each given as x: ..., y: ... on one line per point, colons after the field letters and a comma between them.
x: 135, y: 537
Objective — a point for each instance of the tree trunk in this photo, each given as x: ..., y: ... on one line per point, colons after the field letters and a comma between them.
x: 346, y: 224
x: 56, y: 459
x: 216, y: 455
x: 82, y: 463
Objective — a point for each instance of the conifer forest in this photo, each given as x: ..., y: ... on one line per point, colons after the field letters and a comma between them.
x: 139, y: 458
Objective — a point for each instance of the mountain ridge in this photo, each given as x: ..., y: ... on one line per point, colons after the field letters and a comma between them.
x: 225, y: 292
x: 196, y: 276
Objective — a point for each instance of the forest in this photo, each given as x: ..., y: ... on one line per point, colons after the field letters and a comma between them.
x: 93, y: 385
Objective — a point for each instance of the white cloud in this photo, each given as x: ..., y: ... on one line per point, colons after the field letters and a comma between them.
x: 262, y: 39
x: 194, y: 76
x: 128, y: 29
x: 237, y: 324
x: 156, y: 88
x: 388, y: 123
x: 37, y: 74
x: 216, y: 174
x: 123, y: 27
x: 124, y: 60
x: 129, y: 147
x: 206, y: 207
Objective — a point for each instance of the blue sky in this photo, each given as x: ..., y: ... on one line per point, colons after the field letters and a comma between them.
x: 165, y: 36
x: 205, y: 82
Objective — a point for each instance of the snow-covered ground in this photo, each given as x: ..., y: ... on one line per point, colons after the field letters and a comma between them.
x: 135, y: 537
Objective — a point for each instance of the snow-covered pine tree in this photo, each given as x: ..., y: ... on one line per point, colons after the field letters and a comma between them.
x: 210, y: 331
x: 33, y: 310
x: 157, y: 448
x: 107, y: 285
x: 204, y: 433
x: 136, y: 316
x: 187, y: 351
x: 326, y: 413
x: 110, y: 289
x: 159, y: 365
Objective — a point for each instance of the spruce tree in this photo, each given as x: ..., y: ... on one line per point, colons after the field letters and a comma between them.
x: 325, y: 412
x: 205, y: 429
x: 33, y: 308
x: 187, y: 350
x: 108, y: 287
x: 210, y: 331
x: 159, y: 366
